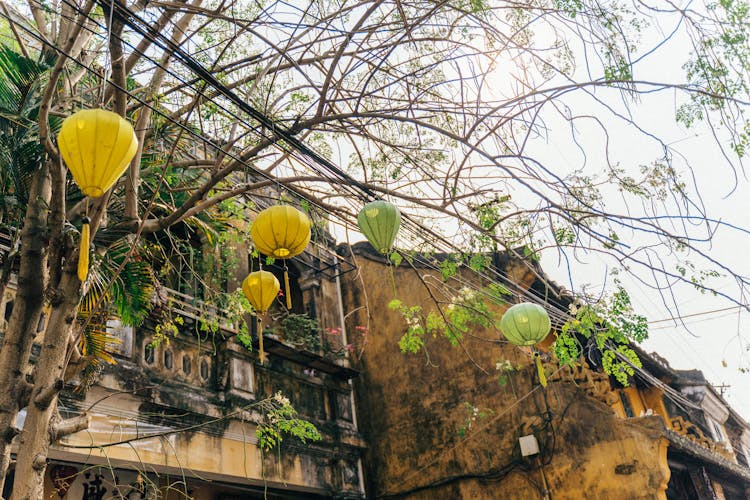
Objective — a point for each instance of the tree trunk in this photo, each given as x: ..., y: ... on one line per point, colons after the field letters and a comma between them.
x: 27, y: 309
x: 37, y: 435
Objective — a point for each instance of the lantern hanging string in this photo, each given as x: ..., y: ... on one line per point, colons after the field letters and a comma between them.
x: 107, y: 61
x: 388, y: 198
x: 390, y: 272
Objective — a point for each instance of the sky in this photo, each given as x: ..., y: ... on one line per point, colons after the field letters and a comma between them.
x: 714, y: 342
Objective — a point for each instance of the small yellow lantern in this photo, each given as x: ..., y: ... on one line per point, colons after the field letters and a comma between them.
x: 282, y: 232
x: 97, y: 146
x: 261, y: 288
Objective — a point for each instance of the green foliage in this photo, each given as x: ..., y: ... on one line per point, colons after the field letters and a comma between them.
x: 618, y: 70
x: 697, y: 277
x: 280, y: 421
x: 412, y: 341
x: 564, y: 235
x: 478, y: 262
x: 299, y: 329
x: 166, y: 329
x: 467, y: 310
x: 20, y: 151
x: 612, y: 325
x: 571, y: 7
x: 474, y: 6
x: 504, y: 367
x: 448, y: 267
x: 125, y: 268
x: 120, y: 285
x: 718, y: 67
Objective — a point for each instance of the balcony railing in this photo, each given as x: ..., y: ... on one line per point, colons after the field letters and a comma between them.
x: 191, y: 307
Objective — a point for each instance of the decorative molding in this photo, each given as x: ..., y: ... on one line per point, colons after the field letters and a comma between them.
x: 695, y: 434
x: 595, y: 384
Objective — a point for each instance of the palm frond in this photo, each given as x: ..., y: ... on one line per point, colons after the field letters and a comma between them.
x: 132, y: 288
x: 126, y: 295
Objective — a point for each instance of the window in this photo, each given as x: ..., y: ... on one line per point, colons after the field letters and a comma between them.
x: 8, y: 310
x: 717, y: 430
x: 187, y: 366
x: 204, y: 369
x: 741, y: 453
x: 148, y: 354
x: 168, y: 359
x: 42, y: 320
x: 625, y: 400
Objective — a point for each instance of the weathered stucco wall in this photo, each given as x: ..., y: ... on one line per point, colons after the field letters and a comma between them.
x: 411, y: 407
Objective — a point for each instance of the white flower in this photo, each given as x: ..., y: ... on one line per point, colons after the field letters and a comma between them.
x: 281, y: 399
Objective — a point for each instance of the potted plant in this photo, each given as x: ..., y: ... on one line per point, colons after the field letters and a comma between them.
x: 299, y: 330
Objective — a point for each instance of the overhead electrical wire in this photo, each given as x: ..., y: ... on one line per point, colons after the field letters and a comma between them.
x: 490, y: 274
x: 301, y: 147
x: 310, y: 156
x: 309, y: 153
x: 702, y: 313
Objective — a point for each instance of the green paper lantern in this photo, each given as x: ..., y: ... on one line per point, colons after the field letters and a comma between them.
x: 379, y: 222
x: 525, y: 324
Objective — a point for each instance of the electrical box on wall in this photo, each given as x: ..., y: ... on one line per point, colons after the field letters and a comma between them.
x: 529, y: 445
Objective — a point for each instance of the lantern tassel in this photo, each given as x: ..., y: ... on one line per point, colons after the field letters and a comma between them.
x: 540, y: 369
x: 261, y: 351
x: 83, y: 252
x: 393, y: 279
x: 286, y: 288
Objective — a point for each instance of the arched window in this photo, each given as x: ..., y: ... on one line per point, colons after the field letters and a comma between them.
x: 42, y: 321
x: 187, y: 365
x: 204, y: 369
x: 148, y: 354
x: 168, y: 359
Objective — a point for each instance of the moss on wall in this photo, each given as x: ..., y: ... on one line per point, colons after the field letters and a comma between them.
x: 424, y: 441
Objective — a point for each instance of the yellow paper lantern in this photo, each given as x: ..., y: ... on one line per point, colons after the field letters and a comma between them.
x: 97, y: 146
x: 261, y: 288
x: 282, y: 232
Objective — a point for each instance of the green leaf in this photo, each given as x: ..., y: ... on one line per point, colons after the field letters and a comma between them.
x: 395, y: 259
